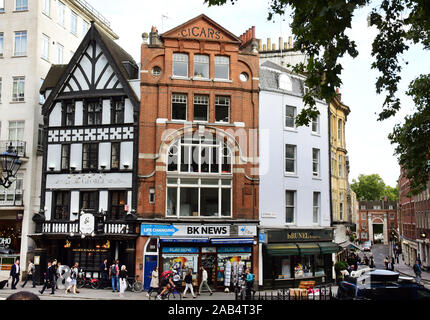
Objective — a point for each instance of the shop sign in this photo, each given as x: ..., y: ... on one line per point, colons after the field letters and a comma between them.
x: 209, y: 250
x: 179, y: 250
x: 176, y: 240
x: 86, y: 223
x: 247, y: 230
x: 299, y: 235
x: 5, y: 242
x: 233, y: 249
x: 184, y: 230
x: 200, y: 32
x: 262, y: 237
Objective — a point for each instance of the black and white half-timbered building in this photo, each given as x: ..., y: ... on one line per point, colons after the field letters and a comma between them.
x: 89, y: 186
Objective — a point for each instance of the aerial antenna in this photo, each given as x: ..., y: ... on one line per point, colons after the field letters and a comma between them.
x: 163, y: 17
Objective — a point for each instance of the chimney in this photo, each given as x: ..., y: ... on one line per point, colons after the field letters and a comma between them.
x: 280, y: 43
x: 154, y: 38
x: 269, y: 43
x: 290, y: 42
x: 264, y: 47
x: 259, y: 44
x: 274, y: 47
x: 339, y: 95
x: 285, y: 45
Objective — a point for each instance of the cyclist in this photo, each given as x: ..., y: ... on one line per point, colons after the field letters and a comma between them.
x: 166, y: 283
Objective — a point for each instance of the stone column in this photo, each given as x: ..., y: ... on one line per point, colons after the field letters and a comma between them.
x: 370, y: 228
x: 385, y: 229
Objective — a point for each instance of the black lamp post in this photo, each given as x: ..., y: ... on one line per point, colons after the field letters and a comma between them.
x: 9, y: 166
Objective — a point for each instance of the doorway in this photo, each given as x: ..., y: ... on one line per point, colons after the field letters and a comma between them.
x: 378, y: 233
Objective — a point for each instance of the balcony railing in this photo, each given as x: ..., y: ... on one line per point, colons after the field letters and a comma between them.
x: 18, y: 146
x: 11, y: 197
x: 67, y: 227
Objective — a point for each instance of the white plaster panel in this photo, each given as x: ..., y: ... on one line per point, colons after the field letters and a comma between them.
x: 76, y: 155
x: 105, y: 77
x: 74, y: 204
x: 129, y: 201
x: 106, y: 112
x: 72, y: 82
x: 127, y: 154
x: 103, y: 200
x: 54, y: 156
x: 101, y: 63
x: 48, y: 204
x: 128, y: 111
x: 79, y: 113
x: 89, y: 181
x: 81, y: 79
x: 104, y: 154
x: 55, y: 116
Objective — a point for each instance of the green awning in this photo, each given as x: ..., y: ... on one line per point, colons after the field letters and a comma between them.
x: 282, y: 249
x: 328, y: 247
x: 309, y: 248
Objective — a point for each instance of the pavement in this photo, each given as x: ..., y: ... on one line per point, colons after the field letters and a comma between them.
x: 101, y: 294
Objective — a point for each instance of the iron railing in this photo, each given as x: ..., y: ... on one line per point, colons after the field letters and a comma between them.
x: 67, y: 227
x: 17, y: 145
x: 11, y: 197
x: 93, y: 11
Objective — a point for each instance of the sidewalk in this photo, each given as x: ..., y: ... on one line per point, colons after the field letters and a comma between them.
x: 406, y: 270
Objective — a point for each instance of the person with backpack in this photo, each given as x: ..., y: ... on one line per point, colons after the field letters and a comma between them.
x: 114, y: 275
x: 249, y: 282
x: 166, y: 283
x: 30, y: 274
x: 417, y: 270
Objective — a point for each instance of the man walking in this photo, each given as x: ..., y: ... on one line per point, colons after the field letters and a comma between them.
x: 49, y: 279
x: 417, y: 270
x: 204, y: 282
x: 104, y: 272
x: 14, y: 273
x: 30, y: 274
x: 113, y: 274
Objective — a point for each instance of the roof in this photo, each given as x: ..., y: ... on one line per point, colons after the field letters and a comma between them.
x: 269, y: 77
x: 53, y: 76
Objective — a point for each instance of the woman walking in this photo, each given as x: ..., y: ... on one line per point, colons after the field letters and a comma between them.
x: 122, y: 280
x: 153, y: 286
x: 73, y: 277
x: 189, y: 283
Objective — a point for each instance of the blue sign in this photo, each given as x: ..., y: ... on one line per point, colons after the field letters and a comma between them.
x: 262, y: 237
x: 233, y: 241
x: 198, y: 240
x: 234, y: 249
x: 179, y: 250
x: 157, y: 230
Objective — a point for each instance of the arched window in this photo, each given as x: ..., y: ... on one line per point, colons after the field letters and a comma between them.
x: 199, y: 177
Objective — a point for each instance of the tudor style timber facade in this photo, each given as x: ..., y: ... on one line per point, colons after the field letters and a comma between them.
x: 89, y: 173
x: 198, y: 151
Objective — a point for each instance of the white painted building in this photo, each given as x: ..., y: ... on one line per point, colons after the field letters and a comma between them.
x: 89, y: 171
x: 33, y: 35
x: 294, y: 199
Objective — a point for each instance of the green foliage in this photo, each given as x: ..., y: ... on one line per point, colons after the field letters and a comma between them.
x: 339, y: 266
x: 372, y: 187
x: 319, y: 28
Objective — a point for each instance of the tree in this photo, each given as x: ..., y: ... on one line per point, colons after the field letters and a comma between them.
x: 373, y: 187
x: 319, y: 28
x: 391, y: 193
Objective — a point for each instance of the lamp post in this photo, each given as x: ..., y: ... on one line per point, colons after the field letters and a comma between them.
x: 9, y: 166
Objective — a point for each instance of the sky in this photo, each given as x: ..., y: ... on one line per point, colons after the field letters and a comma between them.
x: 369, y: 149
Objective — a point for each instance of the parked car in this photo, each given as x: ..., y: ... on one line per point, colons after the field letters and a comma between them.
x: 382, y: 285
x: 367, y: 246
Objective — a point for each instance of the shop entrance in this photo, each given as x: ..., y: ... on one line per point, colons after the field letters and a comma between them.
x: 378, y: 232
x: 208, y: 261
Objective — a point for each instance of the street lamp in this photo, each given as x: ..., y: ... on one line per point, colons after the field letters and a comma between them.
x: 9, y: 166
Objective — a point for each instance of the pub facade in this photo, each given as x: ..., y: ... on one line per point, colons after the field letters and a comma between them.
x: 198, y: 152
x: 89, y: 198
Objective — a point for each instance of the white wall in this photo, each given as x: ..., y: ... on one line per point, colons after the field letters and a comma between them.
x: 54, y: 157
x: 104, y: 154
x: 273, y: 180
x: 127, y: 154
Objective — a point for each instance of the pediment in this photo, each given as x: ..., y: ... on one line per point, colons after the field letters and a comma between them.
x: 201, y: 28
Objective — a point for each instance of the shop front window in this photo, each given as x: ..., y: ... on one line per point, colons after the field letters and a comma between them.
x: 303, y: 266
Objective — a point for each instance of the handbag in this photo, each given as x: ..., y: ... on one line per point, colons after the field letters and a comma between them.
x: 69, y: 279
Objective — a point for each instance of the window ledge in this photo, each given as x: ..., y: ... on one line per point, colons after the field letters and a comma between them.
x: 46, y: 15
x: 290, y: 175
x: 290, y: 129
x: 179, y: 78
x: 15, y: 11
x: 316, y: 134
x: 316, y: 178
x: 201, y: 79
x: 24, y: 56
x: 223, y: 80
x: 45, y: 59
x: 13, y: 102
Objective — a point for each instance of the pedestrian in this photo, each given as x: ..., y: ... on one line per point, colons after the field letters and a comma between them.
x: 153, y: 286
x: 55, y: 267
x: 104, y: 272
x: 14, y: 273
x: 59, y: 272
x: 417, y: 270
x: 113, y: 274
x: 386, y: 263
x: 419, y: 259
x: 122, y: 280
x: 30, y: 274
x: 73, y: 276
x: 204, y: 282
x: 371, y: 263
x: 49, y: 279
x: 189, y: 283
x: 249, y: 282
x: 392, y: 263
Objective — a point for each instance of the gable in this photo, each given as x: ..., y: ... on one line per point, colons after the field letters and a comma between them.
x: 201, y: 28
x: 92, y: 72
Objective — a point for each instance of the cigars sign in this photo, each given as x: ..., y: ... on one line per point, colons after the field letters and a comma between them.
x: 299, y: 235
x: 204, y: 32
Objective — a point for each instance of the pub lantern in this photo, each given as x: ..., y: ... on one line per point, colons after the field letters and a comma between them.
x: 9, y: 166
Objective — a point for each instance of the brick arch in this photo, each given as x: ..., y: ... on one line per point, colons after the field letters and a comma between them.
x: 377, y: 220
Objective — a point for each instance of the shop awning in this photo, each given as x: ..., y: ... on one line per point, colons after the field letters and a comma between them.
x: 349, y: 244
x: 282, y: 249
x: 309, y: 248
x: 328, y: 247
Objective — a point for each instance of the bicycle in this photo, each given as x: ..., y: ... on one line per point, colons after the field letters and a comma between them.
x: 174, y: 293
x: 134, y: 284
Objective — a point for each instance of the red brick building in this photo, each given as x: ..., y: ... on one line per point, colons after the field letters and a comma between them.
x: 376, y: 220
x: 198, y: 151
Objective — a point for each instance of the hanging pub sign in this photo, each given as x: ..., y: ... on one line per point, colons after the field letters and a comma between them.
x: 5, y: 243
x: 299, y: 235
x: 86, y: 223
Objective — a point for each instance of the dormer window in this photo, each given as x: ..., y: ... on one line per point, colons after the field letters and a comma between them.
x: 285, y: 82
x: 180, y: 65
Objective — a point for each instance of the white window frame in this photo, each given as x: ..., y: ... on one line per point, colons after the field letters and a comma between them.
x: 17, y: 95
x: 61, y: 13
x: 1, y: 6
x: 59, y: 51
x: 73, y: 22
x: 294, y: 159
x: 316, y: 122
x: 200, y: 99
x: 85, y: 27
x: 316, y: 161
x: 46, y: 9
x: 202, y: 59
x: 23, y: 5
x: 222, y: 60
x: 178, y: 98
x: 289, y: 117
x: 316, y: 213
x: 339, y: 130
x: 0, y: 91
x: 1, y: 44
x: 20, y: 41
x: 45, y: 47
x: 363, y: 216
x: 226, y: 103
x: 180, y: 58
x: 340, y: 166
x: 18, y: 128
x: 290, y: 206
